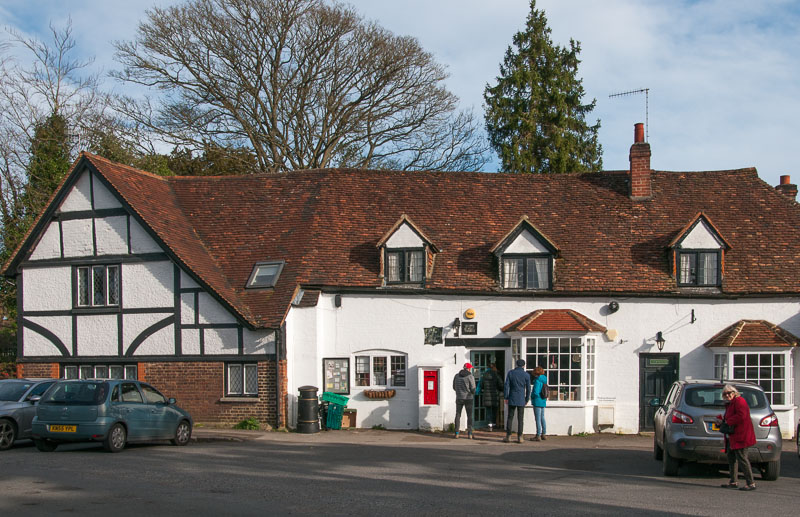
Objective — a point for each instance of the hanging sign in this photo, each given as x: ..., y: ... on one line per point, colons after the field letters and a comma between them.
x: 433, y: 335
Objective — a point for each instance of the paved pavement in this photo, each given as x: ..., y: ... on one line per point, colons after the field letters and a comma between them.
x: 399, y: 438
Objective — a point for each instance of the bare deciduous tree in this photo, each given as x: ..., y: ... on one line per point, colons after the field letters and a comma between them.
x: 48, y: 106
x: 302, y: 83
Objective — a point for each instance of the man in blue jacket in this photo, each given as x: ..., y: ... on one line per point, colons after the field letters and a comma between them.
x: 517, y: 391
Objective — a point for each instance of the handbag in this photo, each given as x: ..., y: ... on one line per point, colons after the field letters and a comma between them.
x: 726, y: 428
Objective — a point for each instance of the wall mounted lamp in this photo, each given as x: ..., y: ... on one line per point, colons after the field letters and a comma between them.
x: 456, y: 327
x: 660, y: 341
x: 613, y: 307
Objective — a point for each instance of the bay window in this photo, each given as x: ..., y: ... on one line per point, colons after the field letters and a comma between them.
x: 569, y: 364
x: 772, y: 370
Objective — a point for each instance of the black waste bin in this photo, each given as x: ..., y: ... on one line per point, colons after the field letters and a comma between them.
x: 308, y: 410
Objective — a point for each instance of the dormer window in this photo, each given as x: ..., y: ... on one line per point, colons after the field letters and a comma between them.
x: 405, y: 266
x: 525, y: 256
x: 526, y: 271
x: 699, y: 252
x: 406, y: 255
x: 700, y: 268
x: 265, y: 274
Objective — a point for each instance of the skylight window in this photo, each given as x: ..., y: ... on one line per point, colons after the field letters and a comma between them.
x: 265, y: 274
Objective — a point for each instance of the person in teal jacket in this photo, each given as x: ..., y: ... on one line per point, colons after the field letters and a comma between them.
x: 539, y: 403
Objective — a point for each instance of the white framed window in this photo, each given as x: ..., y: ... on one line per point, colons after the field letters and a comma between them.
x: 568, y: 362
x: 241, y: 379
x: 100, y: 371
x: 526, y: 271
x: 97, y: 286
x: 770, y: 370
x: 720, y: 366
x: 381, y: 369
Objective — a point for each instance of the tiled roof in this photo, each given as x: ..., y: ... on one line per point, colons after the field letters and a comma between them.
x: 753, y: 333
x: 544, y: 320
x: 325, y: 225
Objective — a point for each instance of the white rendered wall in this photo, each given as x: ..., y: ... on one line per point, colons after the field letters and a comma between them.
x: 159, y: 343
x: 80, y: 196
x: 700, y: 238
x: 49, y: 246
x: 526, y: 243
x: 112, y: 235
x: 382, y: 322
x: 135, y: 324
x: 148, y: 284
x: 258, y: 342
x: 35, y: 344
x: 212, y: 312
x: 47, y: 288
x: 221, y: 341
x: 77, y: 237
x: 141, y: 242
x: 404, y: 237
x: 97, y: 335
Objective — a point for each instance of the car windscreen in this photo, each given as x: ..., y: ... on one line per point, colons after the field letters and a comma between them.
x: 12, y: 391
x: 76, y: 393
x: 711, y: 396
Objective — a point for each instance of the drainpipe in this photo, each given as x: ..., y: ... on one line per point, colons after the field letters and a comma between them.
x: 278, y: 341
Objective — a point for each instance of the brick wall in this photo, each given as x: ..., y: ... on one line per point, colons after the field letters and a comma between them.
x: 41, y: 370
x: 199, y: 387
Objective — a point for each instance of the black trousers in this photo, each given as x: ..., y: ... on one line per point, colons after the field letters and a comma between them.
x: 520, y: 410
x: 468, y: 405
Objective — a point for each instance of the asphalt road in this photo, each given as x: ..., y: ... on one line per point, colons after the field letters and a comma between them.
x: 378, y: 473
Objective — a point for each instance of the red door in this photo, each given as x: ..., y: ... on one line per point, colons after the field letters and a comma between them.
x: 430, y: 391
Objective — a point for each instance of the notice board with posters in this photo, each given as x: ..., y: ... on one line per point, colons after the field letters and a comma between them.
x: 336, y: 375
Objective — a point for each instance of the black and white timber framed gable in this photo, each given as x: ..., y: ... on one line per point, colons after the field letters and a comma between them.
x: 96, y: 283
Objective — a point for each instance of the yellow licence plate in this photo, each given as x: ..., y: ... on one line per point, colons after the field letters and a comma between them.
x: 63, y: 428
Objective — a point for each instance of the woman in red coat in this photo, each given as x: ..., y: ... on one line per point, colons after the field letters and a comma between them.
x: 737, y: 415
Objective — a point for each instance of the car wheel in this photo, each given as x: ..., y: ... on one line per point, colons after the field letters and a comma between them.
x: 115, y: 440
x: 670, y: 465
x: 771, y: 470
x: 658, y: 452
x: 183, y: 433
x: 45, y: 445
x: 8, y: 433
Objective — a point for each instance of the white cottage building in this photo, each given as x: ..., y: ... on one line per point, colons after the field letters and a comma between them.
x: 230, y: 293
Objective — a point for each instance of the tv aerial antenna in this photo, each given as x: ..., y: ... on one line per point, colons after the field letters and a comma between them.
x: 646, y: 92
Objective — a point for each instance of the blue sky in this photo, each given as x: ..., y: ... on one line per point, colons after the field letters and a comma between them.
x: 723, y: 75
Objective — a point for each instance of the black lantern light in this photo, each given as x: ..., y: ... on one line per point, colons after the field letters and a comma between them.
x: 660, y: 341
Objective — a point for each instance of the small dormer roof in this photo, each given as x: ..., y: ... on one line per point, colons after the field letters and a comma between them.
x: 753, y: 333
x: 554, y: 320
x: 404, y: 219
x: 523, y: 224
x: 699, y: 218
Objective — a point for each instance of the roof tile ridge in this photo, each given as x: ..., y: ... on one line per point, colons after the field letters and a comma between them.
x: 94, y: 158
x: 738, y: 327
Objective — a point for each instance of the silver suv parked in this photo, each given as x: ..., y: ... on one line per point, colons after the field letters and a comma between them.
x: 686, y: 427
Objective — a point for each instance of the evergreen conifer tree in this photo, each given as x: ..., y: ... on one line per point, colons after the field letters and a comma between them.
x: 534, y: 114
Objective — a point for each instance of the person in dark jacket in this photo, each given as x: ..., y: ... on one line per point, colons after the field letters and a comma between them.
x: 464, y: 385
x: 491, y: 386
x: 517, y: 391
x: 737, y: 414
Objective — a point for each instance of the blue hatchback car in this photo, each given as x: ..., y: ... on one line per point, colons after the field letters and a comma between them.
x: 114, y: 412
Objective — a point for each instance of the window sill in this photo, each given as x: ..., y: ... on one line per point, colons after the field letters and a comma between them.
x: 233, y: 399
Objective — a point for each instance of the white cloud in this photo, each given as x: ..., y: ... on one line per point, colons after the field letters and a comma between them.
x: 723, y: 75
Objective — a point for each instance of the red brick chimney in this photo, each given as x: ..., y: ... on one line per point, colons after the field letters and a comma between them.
x: 787, y: 188
x: 640, y: 165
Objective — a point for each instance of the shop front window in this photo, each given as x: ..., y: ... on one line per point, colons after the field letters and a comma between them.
x: 568, y: 362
